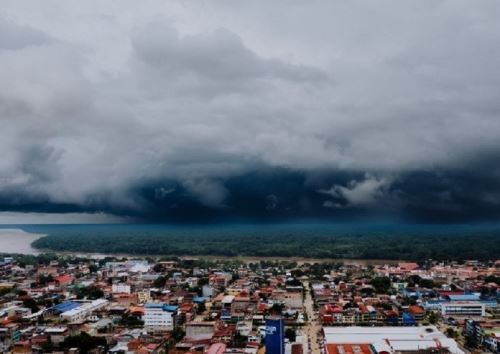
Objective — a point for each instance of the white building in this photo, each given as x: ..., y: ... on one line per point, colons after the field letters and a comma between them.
x: 192, y: 282
x: 386, y: 339
x: 81, y: 313
x: 120, y: 288
x: 463, y: 308
x: 57, y: 334
x: 159, y: 317
x: 207, y: 291
x: 227, y: 300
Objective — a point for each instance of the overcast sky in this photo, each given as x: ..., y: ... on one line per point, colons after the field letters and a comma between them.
x: 194, y: 110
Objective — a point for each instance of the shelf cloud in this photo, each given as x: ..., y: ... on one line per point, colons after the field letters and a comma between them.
x: 208, y: 110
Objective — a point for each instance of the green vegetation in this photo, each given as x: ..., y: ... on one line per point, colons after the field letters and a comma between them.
x: 201, y: 308
x: 492, y: 279
x: 418, y: 243
x: 433, y: 317
x: 84, y: 342
x: 31, y: 304
x: 160, y: 282
x: 291, y: 334
x: 421, y: 282
x: 381, y: 284
x: 90, y: 292
x: 129, y: 320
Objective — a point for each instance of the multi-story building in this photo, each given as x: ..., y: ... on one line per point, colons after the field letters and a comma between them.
x: 159, y: 317
x: 120, y: 288
x: 483, y: 333
x: 80, y: 313
x: 466, y: 308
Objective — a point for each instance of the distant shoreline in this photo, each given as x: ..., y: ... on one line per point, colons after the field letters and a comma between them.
x: 243, y: 259
x: 351, y: 244
x: 18, y: 241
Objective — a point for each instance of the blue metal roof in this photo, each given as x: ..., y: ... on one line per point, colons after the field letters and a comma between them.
x: 465, y: 297
x: 164, y: 307
x: 170, y: 308
x: 154, y: 305
x: 66, y: 306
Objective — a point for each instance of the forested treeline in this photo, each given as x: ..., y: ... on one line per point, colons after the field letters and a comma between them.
x: 377, y: 245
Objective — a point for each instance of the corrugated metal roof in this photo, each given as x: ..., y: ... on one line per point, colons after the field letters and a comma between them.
x: 464, y: 297
x: 66, y: 306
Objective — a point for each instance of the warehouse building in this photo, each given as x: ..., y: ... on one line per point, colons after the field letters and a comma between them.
x: 387, y: 340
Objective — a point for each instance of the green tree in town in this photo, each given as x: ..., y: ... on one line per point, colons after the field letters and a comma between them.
x: 291, y: 334
x: 433, y: 317
x: 381, y: 284
x: 84, y: 342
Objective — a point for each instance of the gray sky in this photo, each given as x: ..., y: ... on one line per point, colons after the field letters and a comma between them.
x: 99, y: 97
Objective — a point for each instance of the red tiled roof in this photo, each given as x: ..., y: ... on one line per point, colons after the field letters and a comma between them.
x: 216, y: 348
x: 65, y: 278
x: 363, y: 308
x: 348, y: 348
x: 449, y: 292
x: 408, y: 266
x: 136, y: 309
x: 333, y: 309
x: 416, y: 310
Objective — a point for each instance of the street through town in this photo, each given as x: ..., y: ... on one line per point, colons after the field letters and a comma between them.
x: 312, y: 327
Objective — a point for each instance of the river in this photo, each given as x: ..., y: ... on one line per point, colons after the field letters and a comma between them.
x: 17, y: 241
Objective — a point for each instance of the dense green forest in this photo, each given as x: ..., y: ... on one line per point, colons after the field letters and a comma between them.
x: 319, y: 242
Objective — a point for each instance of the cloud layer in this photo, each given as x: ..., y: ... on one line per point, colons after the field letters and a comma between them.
x: 162, y: 110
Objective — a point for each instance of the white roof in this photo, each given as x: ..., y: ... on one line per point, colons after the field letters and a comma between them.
x: 85, y: 307
x: 398, y: 338
x: 227, y: 299
x: 99, y: 302
x: 139, y: 268
x: 56, y: 330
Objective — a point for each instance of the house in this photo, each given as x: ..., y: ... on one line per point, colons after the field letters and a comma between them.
x: 417, y: 312
x: 63, y: 280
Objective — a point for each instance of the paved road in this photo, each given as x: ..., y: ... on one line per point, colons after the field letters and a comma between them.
x: 312, y: 327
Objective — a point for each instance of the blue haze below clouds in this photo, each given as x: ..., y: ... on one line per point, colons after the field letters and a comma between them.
x: 235, y: 230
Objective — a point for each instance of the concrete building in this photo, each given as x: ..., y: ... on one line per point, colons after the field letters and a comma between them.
x: 57, y: 334
x: 120, y: 288
x: 484, y: 333
x: 159, y: 317
x: 200, y: 330
x: 386, y: 339
x: 275, y: 335
x: 465, y: 308
x: 82, y: 312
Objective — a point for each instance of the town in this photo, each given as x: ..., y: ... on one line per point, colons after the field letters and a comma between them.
x: 82, y: 304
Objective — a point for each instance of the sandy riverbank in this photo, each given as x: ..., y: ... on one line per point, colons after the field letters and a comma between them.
x: 243, y: 259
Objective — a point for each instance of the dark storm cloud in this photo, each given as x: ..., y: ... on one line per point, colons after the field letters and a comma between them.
x: 282, y: 194
x: 216, y: 110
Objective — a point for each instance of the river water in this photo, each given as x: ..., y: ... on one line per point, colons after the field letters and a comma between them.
x: 17, y: 241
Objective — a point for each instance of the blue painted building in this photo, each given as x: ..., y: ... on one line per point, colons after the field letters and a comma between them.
x: 275, y: 336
